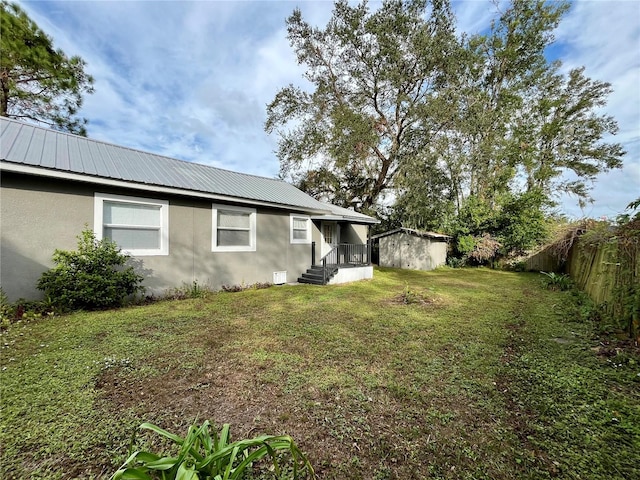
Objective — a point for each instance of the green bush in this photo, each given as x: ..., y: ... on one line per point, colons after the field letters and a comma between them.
x: 93, y: 277
x: 466, y: 244
x: 6, y: 310
x: 518, y: 266
x: 456, y: 262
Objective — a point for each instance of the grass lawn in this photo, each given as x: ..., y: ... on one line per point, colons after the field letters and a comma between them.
x: 466, y: 373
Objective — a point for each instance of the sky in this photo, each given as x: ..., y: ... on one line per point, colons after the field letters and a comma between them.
x: 191, y: 80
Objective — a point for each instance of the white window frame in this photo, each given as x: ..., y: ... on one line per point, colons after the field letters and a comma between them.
x: 98, y: 221
x: 307, y: 240
x: 252, y: 229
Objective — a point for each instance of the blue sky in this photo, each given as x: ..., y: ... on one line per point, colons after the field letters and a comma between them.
x: 191, y: 80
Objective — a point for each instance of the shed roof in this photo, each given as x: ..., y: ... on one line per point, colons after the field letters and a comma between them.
x: 49, y: 150
x: 411, y: 231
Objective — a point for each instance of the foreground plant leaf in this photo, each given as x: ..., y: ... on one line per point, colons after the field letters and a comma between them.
x: 201, y: 456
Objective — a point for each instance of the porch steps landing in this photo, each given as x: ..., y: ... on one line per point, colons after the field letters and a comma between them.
x: 313, y: 275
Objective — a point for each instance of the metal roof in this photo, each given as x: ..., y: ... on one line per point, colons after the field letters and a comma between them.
x: 340, y: 213
x: 48, y: 149
x: 411, y: 231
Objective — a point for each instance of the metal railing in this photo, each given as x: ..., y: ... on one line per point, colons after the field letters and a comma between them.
x: 342, y: 255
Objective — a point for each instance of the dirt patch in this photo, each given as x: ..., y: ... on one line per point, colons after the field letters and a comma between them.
x: 613, y: 346
x: 618, y: 351
x: 415, y: 298
x: 222, y: 392
x: 345, y: 434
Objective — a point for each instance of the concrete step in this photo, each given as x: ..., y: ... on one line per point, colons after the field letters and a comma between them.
x: 312, y: 281
x: 315, y: 270
x: 314, y: 275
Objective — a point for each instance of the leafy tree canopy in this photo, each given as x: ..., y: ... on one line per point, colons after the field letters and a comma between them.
x: 447, y: 123
x: 373, y: 75
x: 37, y: 82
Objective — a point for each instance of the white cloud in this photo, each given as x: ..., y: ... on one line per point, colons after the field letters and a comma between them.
x: 605, y: 38
x: 475, y: 16
x: 191, y: 80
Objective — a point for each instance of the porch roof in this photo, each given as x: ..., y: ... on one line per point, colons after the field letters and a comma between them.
x: 345, y: 214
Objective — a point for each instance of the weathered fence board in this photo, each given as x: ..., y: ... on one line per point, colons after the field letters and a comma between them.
x: 543, y: 261
x: 608, y: 270
x: 611, y: 277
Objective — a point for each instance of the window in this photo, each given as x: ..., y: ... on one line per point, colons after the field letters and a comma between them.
x: 139, y: 226
x: 234, y: 229
x: 328, y: 229
x: 300, y: 229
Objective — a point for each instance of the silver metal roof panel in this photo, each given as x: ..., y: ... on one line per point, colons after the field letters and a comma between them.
x: 36, y: 146
x: 340, y: 213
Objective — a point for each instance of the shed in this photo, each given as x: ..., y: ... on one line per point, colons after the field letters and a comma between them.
x: 412, y: 249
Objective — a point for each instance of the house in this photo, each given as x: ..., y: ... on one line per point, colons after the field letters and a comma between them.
x: 412, y: 249
x: 181, y: 222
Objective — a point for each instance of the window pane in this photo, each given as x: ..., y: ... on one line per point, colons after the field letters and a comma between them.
x: 300, y: 223
x: 328, y: 234
x: 227, y: 238
x: 300, y: 234
x: 132, y: 239
x: 233, y: 219
x: 131, y: 214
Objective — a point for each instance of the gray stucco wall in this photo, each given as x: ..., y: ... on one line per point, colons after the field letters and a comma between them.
x: 38, y: 215
x: 354, y: 234
x: 402, y: 250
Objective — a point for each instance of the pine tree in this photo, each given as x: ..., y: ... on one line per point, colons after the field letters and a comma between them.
x: 37, y: 82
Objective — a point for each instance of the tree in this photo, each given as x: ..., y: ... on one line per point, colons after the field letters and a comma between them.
x: 458, y: 128
x: 559, y: 131
x: 375, y: 76
x: 37, y: 82
x: 523, y: 122
x: 517, y: 127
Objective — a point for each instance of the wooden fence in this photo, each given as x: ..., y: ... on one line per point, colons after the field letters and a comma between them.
x: 610, y: 273
x: 543, y: 261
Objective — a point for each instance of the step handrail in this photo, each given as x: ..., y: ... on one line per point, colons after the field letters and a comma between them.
x: 330, y: 254
x: 345, y: 254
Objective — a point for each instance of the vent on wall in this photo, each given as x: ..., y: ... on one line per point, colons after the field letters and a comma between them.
x: 279, y: 278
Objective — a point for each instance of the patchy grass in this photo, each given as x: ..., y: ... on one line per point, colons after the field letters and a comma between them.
x: 479, y: 374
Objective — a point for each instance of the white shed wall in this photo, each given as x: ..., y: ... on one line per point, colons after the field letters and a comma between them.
x: 402, y: 250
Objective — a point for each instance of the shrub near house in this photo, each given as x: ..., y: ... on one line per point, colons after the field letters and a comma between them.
x: 93, y: 277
